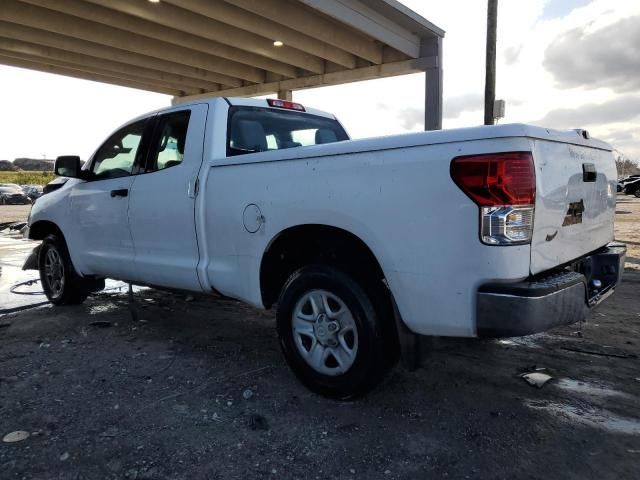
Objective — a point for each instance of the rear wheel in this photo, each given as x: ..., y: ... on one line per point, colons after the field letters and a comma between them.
x: 60, y: 282
x: 637, y: 192
x: 331, y: 333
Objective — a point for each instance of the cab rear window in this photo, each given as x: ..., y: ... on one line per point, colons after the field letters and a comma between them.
x: 254, y: 129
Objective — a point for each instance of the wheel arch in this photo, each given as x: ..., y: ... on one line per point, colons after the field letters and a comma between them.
x: 304, y: 244
x: 40, y: 229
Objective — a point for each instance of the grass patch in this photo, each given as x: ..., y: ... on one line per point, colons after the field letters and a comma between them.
x: 27, y: 178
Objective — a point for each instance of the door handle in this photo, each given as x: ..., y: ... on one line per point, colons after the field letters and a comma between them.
x: 123, y: 192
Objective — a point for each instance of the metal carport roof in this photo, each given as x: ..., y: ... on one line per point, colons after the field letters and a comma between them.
x: 188, y: 48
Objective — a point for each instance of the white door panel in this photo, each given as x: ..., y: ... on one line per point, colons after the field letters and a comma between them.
x: 162, y: 211
x: 99, y: 207
x: 100, y: 227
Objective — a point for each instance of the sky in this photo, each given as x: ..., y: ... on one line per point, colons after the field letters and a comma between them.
x: 560, y: 64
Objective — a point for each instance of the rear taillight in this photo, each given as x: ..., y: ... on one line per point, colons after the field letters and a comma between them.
x: 503, y: 185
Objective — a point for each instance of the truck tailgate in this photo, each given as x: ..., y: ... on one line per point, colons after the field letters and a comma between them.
x: 575, y: 199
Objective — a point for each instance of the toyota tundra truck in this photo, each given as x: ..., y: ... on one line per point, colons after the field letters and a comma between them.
x: 363, y: 246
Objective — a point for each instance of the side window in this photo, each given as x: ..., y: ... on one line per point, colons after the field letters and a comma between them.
x: 167, y: 148
x: 116, y: 156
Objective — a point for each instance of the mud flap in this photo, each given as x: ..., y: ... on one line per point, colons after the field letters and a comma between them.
x: 409, y: 342
x: 32, y: 260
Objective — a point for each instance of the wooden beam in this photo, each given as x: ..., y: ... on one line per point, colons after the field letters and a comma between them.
x: 67, y: 72
x: 404, y: 67
x: 180, y: 27
x: 221, y: 11
x: 52, y: 56
x: 303, y: 19
x: 206, y: 79
x: 245, y: 47
x: 49, y: 20
x: 356, y: 14
x: 141, y: 32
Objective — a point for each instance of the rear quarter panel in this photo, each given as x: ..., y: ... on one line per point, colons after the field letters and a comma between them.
x: 401, y: 202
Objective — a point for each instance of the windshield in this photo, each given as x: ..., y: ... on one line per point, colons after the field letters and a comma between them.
x: 253, y: 129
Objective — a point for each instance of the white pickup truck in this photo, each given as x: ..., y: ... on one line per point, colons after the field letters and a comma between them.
x: 363, y: 245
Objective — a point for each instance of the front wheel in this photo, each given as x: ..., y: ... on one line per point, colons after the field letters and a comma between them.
x: 331, y: 334
x: 637, y: 193
x: 60, y: 282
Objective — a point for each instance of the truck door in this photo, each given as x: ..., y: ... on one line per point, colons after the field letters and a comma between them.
x: 162, y: 201
x: 99, y: 237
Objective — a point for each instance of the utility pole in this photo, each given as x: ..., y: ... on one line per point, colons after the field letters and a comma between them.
x: 490, y: 78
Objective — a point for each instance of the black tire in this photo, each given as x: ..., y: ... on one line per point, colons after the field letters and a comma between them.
x: 376, y: 351
x: 72, y: 289
x: 637, y: 193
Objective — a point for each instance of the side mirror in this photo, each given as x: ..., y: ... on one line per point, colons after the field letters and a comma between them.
x: 68, y: 166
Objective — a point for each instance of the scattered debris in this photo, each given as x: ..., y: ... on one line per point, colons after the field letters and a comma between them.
x: 17, y: 436
x: 536, y: 379
x: 181, y: 409
x: 599, y: 353
x: 257, y: 422
x: 64, y: 457
x: 110, y: 432
x: 189, y: 298
x: 101, y: 324
x: 247, y: 394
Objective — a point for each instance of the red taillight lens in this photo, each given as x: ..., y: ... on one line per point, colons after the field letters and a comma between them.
x: 496, y: 179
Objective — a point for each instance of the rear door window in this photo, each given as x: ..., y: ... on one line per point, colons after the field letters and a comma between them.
x: 254, y: 129
x: 169, y: 139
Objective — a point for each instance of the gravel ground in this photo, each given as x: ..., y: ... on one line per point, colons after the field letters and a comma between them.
x: 188, y: 388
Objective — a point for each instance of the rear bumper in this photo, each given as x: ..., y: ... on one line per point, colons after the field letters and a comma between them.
x: 551, y: 299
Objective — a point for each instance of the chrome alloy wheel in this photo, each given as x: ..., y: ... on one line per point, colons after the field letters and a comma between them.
x: 325, y: 332
x: 54, y: 272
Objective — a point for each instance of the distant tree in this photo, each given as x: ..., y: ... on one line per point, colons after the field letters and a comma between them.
x: 626, y: 166
x: 34, y: 164
x: 7, y: 166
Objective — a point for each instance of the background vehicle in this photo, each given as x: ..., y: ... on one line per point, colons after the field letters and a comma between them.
x: 362, y: 245
x: 13, y: 195
x: 32, y: 191
x: 631, y: 186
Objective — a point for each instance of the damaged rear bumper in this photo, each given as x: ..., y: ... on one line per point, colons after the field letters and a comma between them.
x: 549, y: 300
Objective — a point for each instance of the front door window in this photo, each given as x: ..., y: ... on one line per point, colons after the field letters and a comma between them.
x: 117, y: 156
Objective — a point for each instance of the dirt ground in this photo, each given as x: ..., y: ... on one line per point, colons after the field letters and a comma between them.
x: 14, y: 213
x: 182, y: 388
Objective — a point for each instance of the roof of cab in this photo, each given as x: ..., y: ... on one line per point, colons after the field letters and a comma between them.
x: 262, y: 102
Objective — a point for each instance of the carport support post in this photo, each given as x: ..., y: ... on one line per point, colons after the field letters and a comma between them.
x: 285, y: 95
x: 433, y: 87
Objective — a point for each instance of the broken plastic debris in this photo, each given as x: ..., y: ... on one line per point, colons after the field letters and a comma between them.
x: 536, y: 379
x: 17, y: 436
